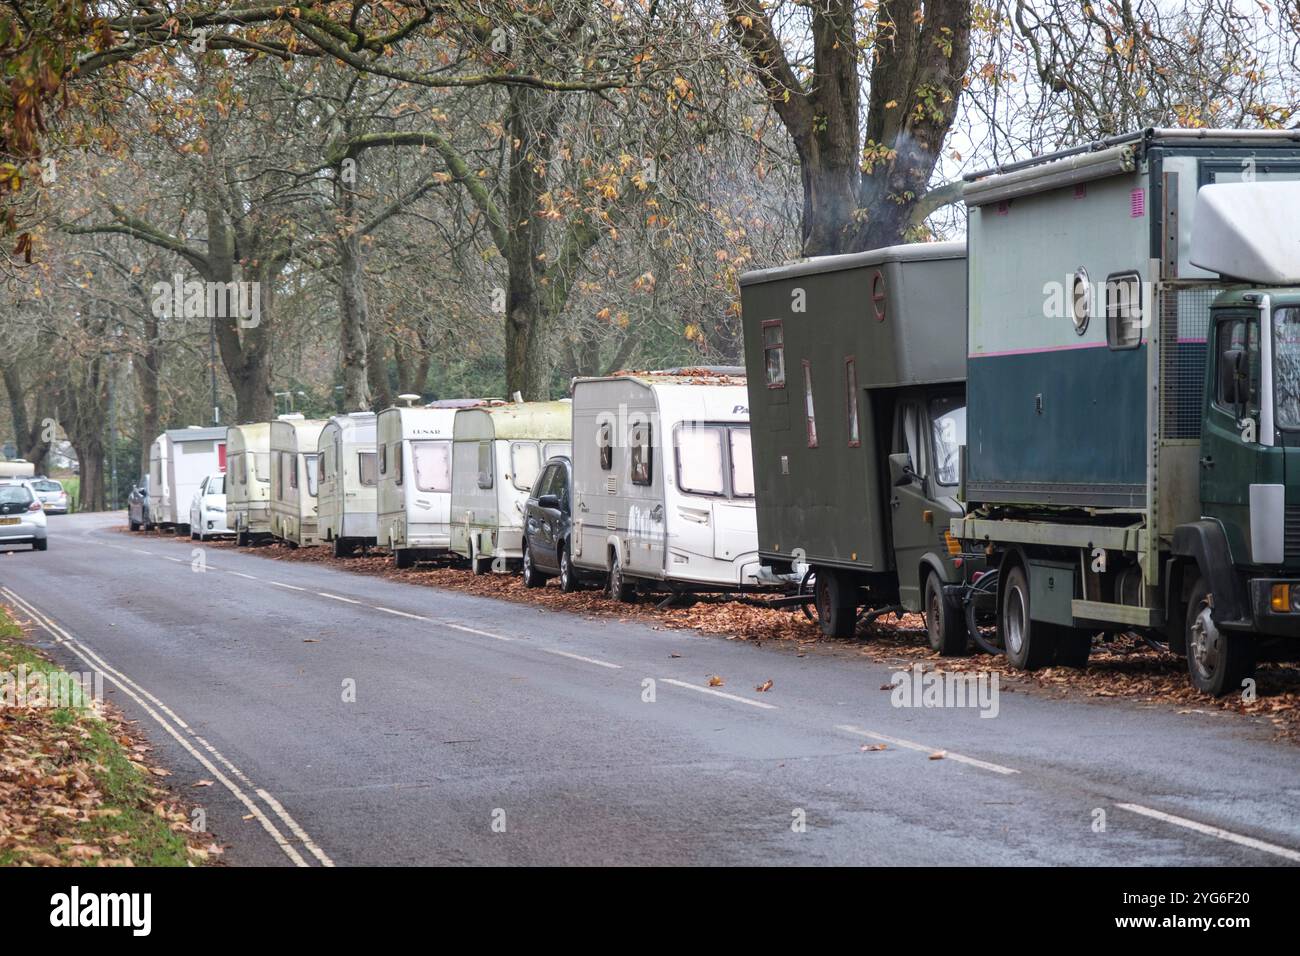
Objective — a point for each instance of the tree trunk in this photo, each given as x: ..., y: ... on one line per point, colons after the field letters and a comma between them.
x: 381, y: 393
x: 147, y: 369
x: 353, y: 307
x: 90, y: 459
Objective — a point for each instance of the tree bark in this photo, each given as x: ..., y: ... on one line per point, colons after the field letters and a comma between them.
x: 353, y: 306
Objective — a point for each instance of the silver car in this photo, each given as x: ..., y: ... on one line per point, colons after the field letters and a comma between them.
x: 53, y: 498
x: 22, y: 519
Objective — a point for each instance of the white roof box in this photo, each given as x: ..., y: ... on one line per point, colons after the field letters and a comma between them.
x: 1249, y: 231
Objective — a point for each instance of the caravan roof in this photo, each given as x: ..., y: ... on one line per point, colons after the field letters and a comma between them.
x: 196, y: 433
x: 907, y: 252
x: 520, y: 420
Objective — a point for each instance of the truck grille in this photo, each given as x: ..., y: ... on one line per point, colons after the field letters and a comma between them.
x: 1292, y: 531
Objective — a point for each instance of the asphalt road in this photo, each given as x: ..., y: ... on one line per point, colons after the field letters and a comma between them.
x: 486, y: 732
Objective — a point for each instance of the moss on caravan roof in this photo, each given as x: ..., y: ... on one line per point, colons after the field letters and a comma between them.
x: 518, y: 420
x: 696, y: 375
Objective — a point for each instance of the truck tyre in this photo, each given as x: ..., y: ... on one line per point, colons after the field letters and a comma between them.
x: 837, y: 608
x: 1073, y: 645
x: 403, y: 558
x: 944, y: 622
x: 1029, y: 644
x: 620, y: 587
x: 532, y: 577
x: 1217, y: 660
x: 568, y: 573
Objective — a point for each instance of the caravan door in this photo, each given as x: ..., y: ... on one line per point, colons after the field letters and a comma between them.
x: 429, y: 494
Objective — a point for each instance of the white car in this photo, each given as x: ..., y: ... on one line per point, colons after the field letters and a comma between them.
x: 54, y: 499
x: 22, y: 519
x: 208, y: 509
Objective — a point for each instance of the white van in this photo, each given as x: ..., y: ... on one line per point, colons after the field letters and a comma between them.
x: 497, y: 452
x: 248, y: 485
x: 179, y: 460
x: 294, y: 474
x: 663, y: 481
x: 413, y: 500
x: 348, y: 474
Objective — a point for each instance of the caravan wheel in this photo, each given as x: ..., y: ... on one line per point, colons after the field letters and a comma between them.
x: 342, y: 548
x: 403, y: 558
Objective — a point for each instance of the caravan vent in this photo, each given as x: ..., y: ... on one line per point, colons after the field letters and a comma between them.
x: 611, y: 520
x: 611, y: 485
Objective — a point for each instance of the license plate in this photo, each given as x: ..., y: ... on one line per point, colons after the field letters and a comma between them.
x: 8, y: 521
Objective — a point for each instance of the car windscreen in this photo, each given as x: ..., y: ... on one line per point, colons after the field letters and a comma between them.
x: 47, y: 485
x: 432, y: 465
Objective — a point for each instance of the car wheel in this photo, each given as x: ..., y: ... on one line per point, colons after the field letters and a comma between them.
x: 532, y: 577
x: 620, y: 587
x: 1217, y: 660
x: 944, y: 622
x: 1029, y: 644
x: 41, y: 544
x: 837, y: 608
x: 568, y: 574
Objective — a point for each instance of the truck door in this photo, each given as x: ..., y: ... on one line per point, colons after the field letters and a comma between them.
x: 1229, y: 453
x: 910, y: 503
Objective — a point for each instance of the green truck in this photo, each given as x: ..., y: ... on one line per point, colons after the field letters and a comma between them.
x: 855, y: 367
x: 1132, y: 457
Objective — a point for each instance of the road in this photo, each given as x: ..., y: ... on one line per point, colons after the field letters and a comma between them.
x: 489, y: 732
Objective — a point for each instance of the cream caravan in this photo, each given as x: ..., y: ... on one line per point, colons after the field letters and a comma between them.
x: 413, y: 500
x: 179, y: 460
x: 348, y: 474
x: 293, y: 479
x: 663, y: 481
x: 248, y: 481
x: 497, y: 452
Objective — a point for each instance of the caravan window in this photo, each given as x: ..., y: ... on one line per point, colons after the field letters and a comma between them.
x: 290, y: 464
x: 1124, y: 310
x: 432, y: 460
x: 699, y: 460
x: 311, y: 470
x: 742, y: 463
x: 642, y: 454
x: 397, y: 464
x: 551, y: 449
x: 525, y: 461
x: 774, y: 353
x: 605, y: 440
x: 262, y: 466
x: 383, y: 459
x: 485, y: 464
x: 366, y: 468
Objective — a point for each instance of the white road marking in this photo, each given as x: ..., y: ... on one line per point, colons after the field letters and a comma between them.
x: 140, y: 695
x: 337, y: 597
x: 923, y: 748
x: 291, y: 587
x: 389, y: 610
x: 1217, y: 832
x: 579, y: 657
x: 718, y: 693
x: 138, y: 551
x: 474, y: 630
x: 241, y: 574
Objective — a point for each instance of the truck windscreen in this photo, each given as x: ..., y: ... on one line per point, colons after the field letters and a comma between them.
x: 1286, y: 366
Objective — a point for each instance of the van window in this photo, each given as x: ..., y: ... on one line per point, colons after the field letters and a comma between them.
x: 432, y: 460
x: 605, y: 440
x: 525, y: 461
x: 851, y: 397
x: 742, y: 462
x: 311, y: 469
x: 699, y: 460
x: 774, y: 353
x: 808, y: 404
x: 366, y: 468
x: 1240, y: 333
x: 948, y: 424
x: 642, y: 454
x: 485, y: 464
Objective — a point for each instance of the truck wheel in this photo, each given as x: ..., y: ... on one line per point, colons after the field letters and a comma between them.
x: 620, y: 587
x: 1073, y: 646
x: 837, y: 607
x: 403, y: 558
x: 1029, y: 644
x: 1218, y: 661
x: 944, y: 621
x: 532, y: 577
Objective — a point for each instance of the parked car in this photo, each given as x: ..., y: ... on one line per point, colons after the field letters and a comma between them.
x: 208, y: 509
x: 52, y: 496
x: 548, y: 526
x: 138, y: 513
x: 22, y: 519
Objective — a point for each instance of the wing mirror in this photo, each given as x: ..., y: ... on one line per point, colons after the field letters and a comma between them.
x: 901, y: 471
x: 550, y: 502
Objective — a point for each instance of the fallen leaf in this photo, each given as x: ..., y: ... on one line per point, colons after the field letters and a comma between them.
x: 938, y: 755
x: 201, y: 783
x: 872, y: 748
x: 765, y: 686
x: 715, y: 681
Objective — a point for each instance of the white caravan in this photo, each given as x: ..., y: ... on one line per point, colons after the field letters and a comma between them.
x: 17, y: 468
x: 179, y: 460
x: 348, y: 473
x: 294, y: 441
x: 663, y: 481
x: 248, y: 490
x: 413, y: 500
x: 497, y: 452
